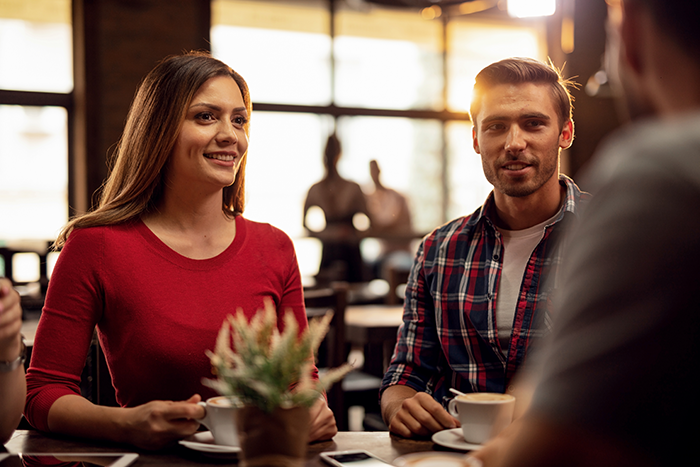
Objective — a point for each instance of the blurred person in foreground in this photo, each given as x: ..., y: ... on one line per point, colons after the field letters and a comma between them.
x: 617, y: 381
x: 12, y: 355
x: 479, y: 291
x: 160, y: 263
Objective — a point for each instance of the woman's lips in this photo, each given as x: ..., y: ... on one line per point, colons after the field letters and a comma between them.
x: 221, y: 157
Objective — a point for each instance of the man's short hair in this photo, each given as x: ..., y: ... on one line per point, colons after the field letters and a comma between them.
x: 679, y: 19
x: 524, y: 70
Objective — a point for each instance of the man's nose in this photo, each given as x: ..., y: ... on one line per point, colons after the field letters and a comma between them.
x: 515, y: 140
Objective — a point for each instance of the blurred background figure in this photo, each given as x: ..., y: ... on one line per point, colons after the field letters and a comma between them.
x: 340, y: 200
x: 12, y: 354
x: 391, y: 223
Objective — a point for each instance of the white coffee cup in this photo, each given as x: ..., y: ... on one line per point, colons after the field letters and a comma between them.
x: 482, y: 414
x: 220, y: 418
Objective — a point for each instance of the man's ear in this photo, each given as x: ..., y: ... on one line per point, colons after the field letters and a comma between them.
x: 567, y: 135
x: 631, y: 39
x: 475, y: 140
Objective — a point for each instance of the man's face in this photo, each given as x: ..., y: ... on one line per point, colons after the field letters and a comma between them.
x: 517, y: 134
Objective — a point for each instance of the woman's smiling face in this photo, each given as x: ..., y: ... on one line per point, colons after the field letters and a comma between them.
x: 212, y: 139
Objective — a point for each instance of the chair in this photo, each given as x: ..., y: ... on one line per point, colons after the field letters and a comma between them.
x: 333, y: 350
x: 396, y: 278
x: 357, y: 388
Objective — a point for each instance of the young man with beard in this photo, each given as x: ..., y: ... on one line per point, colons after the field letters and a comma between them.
x: 480, y: 286
x: 617, y: 379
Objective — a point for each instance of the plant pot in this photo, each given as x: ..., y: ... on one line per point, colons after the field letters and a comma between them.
x: 279, y: 438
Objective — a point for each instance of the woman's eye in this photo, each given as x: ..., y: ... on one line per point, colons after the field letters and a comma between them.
x: 205, y: 117
x: 240, y: 121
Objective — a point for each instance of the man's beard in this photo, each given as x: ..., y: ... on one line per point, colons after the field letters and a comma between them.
x: 544, y: 170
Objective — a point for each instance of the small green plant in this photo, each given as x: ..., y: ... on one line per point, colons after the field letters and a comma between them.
x: 256, y: 364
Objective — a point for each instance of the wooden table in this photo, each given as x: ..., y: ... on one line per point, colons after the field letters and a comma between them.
x: 374, y: 327
x: 382, y: 444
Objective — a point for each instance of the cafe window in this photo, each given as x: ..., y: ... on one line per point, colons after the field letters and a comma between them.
x: 475, y: 44
x: 33, y: 130
x: 312, y: 69
x: 408, y: 152
x: 284, y: 160
x: 387, y: 58
x: 282, y: 49
x: 33, y: 172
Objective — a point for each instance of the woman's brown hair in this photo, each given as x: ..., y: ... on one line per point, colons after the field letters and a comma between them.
x: 135, y: 181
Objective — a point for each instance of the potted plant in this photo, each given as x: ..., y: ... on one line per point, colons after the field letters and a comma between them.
x: 270, y: 374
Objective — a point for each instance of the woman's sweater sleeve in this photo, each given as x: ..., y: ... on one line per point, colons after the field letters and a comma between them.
x: 71, y: 310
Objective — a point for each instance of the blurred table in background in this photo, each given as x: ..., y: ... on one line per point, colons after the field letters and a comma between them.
x: 373, y: 327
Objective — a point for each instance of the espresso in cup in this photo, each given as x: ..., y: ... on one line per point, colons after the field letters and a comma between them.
x: 220, y: 418
x: 482, y: 414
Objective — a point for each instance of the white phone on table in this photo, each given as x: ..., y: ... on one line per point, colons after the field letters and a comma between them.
x: 355, y: 458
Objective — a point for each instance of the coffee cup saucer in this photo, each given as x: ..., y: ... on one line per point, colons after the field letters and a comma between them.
x: 203, y: 441
x: 454, y: 439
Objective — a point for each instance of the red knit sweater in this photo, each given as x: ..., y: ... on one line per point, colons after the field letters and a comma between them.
x: 156, y: 311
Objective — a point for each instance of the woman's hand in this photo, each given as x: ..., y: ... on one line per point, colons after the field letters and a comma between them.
x: 322, y: 421
x: 156, y: 424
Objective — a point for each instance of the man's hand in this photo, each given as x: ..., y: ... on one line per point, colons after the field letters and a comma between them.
x: 410, y: 413
x: 322, y: 421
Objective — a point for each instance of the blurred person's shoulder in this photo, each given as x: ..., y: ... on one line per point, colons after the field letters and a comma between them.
x: 665, y: 147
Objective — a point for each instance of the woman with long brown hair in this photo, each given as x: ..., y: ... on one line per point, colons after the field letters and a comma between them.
x: 160, y: 262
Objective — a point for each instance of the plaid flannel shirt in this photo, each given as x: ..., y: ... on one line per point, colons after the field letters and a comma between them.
x: 449, y: 336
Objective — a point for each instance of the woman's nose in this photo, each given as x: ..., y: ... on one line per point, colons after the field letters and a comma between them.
x: 227, y: 133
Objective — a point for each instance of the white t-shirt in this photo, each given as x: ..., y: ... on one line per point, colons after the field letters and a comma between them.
x: 518, y: 246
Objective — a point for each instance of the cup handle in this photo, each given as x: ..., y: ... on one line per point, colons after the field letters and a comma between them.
x: 452, y: 408
x: 206, y: 420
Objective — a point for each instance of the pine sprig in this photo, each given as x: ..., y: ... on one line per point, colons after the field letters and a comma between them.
x: 260, y: 366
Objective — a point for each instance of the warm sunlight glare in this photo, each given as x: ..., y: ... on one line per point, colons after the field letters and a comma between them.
x: 529, y: 8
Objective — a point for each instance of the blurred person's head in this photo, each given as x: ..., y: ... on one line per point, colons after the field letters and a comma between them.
x: 653, y: 55
x: 139, y: 164
x: 518, y: 71
x: 332, y: 152
x: 374, y: 172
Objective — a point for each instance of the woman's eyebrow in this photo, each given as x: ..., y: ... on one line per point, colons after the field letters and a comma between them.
x: 215, y: 107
